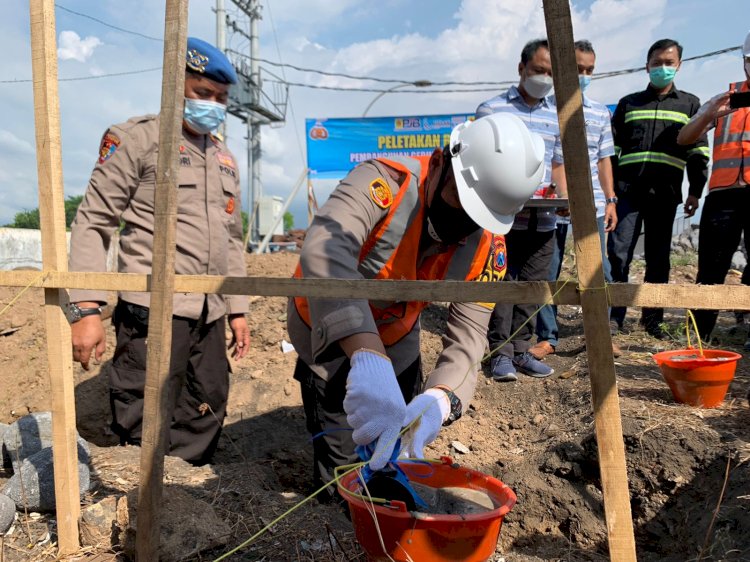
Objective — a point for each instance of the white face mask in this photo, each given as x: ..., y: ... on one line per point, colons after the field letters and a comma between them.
x: 538, y: 85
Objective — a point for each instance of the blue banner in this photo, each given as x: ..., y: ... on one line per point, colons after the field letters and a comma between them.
x: 335, y: 146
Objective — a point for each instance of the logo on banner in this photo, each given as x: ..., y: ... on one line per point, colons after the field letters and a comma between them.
x: 318, y: 132
x: 407, y: 123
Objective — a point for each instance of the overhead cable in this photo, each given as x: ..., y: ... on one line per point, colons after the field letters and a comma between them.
x: 92, y: 77
x: 104, y: 23
x: 598, y: 76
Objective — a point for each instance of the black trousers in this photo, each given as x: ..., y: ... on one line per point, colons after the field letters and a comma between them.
x: 323, y: 402
x: 724, y: 219
x: 656, y: 215
x: 198, y: 375
x: 529, y: 257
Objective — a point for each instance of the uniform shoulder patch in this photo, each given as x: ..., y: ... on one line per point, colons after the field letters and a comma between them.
x: 225, y: 159
x: 380, y: 193
x: 110, y: 142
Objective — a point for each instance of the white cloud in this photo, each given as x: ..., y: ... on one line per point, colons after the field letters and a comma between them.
x: 11, y: 143
x: 72, y: 47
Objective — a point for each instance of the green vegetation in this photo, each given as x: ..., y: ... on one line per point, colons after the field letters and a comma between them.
x: 288, y: 221
x: 30, y: 219
x: 245, y: 219
x: 681, y: 260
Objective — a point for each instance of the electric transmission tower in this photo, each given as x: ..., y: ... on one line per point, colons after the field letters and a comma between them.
x: 259, y: 97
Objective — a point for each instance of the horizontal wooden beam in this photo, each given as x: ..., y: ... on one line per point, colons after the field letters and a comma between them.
x: 712, y: 297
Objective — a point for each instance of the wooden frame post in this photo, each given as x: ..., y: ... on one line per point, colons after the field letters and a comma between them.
x: 157, y: 413
x: 55, y: 258
x: 607, y: 421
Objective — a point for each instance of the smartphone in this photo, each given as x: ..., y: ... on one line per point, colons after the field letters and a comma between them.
x: 739, y: 99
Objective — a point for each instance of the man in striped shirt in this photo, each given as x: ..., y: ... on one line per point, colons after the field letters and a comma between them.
x: 530, y: 242
x: 601, y: 149
x: 649, y: 174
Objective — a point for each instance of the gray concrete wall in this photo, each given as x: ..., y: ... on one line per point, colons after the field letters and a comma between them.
x: 21, y: 248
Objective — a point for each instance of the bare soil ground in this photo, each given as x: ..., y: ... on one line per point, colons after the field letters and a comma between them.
x: 535, y: 435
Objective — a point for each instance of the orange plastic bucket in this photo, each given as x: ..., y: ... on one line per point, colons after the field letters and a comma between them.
x: 695, y: 380
x: 421, y: 536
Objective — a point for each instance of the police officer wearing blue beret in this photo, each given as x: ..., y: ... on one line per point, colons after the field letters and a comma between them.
x: 209, y: 241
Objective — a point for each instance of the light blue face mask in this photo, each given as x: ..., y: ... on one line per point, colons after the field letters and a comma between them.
x: 583, y: 81
x: 204, y: 116
x: 662, y: 76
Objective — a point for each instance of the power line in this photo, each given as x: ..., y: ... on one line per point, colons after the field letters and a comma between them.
x: 123, y: 30
x: 371, y: 78
x: 283, y: 75
x: 423, y: 90
x: 598, y: 76
x: 93, y: 77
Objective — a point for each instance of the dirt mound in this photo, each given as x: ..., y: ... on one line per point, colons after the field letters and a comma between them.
x: 535, y: 435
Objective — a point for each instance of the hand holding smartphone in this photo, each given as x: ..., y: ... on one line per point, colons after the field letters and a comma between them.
x: 739, y: 99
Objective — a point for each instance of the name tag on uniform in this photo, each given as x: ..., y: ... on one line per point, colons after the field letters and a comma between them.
x: 226, y: 164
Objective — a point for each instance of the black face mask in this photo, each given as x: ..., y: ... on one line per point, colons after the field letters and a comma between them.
x: 449, y: 224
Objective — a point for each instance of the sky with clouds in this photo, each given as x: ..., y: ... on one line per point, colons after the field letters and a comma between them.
x: 447, y: 40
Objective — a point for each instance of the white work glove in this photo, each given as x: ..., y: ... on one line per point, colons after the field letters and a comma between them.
x: 374, y: 405
x: 425, y: 415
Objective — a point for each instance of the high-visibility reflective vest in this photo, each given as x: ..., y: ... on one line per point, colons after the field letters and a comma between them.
x: 392, y: 251
x: 732, y: 146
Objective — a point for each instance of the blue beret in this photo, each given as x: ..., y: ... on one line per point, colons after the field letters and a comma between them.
x: 206, y: 60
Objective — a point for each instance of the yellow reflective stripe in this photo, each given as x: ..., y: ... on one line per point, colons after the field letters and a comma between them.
x: 655, y: 157
x: 704, y: 150
x: 652, y: 114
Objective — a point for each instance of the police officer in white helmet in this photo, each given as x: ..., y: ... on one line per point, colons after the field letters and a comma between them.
x: 428, y: 218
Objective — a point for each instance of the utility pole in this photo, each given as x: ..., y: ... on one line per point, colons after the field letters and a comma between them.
x: 221, y: 44
x: 247, y: 100
x: 254, y: 125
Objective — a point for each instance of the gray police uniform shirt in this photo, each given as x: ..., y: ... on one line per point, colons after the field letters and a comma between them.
x: 121, y: 191
x: 331, y: 250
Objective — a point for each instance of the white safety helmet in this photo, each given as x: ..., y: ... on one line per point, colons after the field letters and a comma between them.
x: 746, y: 46
x: 498, y: 164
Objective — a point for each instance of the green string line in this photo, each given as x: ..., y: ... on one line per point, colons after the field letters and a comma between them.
x: 356, y: 466
x: 695, y: 327
x: 41, y: 276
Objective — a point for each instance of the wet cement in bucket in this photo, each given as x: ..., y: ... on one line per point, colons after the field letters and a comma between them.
x: 454, y: 500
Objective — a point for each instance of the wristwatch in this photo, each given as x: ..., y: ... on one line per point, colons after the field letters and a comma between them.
x: 612, y: 200
x: 457, y: 408
x: 74, y: 313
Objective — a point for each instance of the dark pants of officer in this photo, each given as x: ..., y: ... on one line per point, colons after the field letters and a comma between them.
x: 725, y: 217
x: 198, y: 375
x: 323, y: 402
x: 657, y: 217
x: 529, y: 256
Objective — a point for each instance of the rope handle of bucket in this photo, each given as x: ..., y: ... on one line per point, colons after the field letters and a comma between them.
x: 391, y: 470
x: 689, y: 318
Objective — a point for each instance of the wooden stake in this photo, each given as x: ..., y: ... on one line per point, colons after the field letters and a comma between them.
x: 156, y: 411
x: 606, y: 405
x: 55, y: 258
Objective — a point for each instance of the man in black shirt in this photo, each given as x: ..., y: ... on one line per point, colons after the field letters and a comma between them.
x: 649, y: 172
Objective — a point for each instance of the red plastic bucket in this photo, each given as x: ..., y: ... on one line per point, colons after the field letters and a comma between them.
x: 426, y: 537
x: 695, y: 380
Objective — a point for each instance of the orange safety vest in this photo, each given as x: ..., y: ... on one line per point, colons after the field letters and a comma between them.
x: 732, y: 146
x: 391, y: 252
